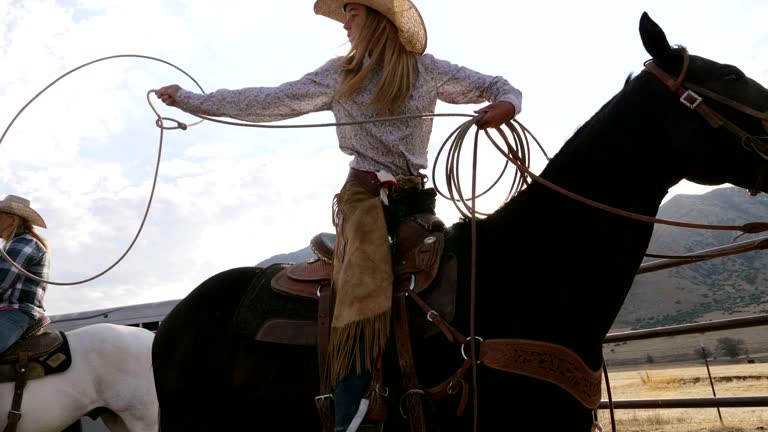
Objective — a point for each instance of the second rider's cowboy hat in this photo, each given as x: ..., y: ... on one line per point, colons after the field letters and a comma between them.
x: 19, y: 206
x: 403, y: 13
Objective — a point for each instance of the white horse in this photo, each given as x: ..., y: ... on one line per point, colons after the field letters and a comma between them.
x: 111, y: 369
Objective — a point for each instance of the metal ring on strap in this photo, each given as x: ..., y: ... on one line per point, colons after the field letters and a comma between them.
x: 409, y: 393
x: 463, y: 354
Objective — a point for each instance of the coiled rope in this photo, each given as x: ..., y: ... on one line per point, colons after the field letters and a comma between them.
x: 516, y: 152
x: 519, y: 152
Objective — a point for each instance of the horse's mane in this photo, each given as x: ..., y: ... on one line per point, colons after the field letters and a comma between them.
x: 584, y: 133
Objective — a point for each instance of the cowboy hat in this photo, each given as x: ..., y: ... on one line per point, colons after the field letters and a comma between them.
x: 19, y: 206
x: 402, y: 13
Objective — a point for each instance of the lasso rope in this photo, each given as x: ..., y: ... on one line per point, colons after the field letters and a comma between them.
x: 518, y: 154
x: 458, y: 136
x: 154, y: 180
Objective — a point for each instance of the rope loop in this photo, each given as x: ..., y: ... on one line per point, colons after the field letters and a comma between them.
x: 179, y: 125
x: 515, y: 149
x: 158, y: 122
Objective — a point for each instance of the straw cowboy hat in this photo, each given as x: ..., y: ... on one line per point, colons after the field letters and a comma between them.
x: 403, y: 13
x: 19, y: 206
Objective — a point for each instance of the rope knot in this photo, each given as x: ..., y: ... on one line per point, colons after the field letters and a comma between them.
x: 179, y: 125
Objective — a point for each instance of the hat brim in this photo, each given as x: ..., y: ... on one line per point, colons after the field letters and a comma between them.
x: 24, y: 212
x: 402, y: 13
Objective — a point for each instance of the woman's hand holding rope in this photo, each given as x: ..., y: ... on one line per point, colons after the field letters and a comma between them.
x: 168, y: 94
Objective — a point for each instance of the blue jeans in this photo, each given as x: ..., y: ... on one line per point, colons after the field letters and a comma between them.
x: 13, y: 323
x: 349, y: 392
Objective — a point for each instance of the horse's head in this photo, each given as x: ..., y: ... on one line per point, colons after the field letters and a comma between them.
x: 722, y: 112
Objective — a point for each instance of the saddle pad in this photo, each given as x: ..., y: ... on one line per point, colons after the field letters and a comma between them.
x: 36, y: 346
x: 261, y: 303
x: 289, y: 331
x: 51, y: 362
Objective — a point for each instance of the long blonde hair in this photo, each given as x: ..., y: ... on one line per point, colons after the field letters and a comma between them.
x: 379, y: 43
x: 21, y: 227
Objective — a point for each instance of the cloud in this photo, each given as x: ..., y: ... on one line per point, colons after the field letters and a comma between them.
x: 85, y: 151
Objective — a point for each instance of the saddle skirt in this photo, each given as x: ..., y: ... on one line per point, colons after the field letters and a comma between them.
x: 415, y: 263
x: 418, y: 266
x: 45, y: 353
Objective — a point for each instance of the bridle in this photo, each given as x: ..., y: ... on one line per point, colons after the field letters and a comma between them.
x: 691, y: 96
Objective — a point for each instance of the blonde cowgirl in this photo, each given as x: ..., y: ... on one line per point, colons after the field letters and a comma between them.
x: 385, y: 73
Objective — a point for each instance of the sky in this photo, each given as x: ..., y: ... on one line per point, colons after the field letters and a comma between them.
x: 85, y: 151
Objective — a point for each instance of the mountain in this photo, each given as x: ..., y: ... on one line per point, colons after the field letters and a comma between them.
x: 719, y: 288
x: 291, y: 257
x: 715, y: 289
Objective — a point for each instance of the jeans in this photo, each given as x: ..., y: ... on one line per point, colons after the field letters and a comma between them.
x: 349, y: 392
x: 13, y: 323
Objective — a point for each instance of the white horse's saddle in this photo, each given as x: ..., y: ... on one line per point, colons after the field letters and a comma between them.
x: 35, y: 355
x: 46, y: 353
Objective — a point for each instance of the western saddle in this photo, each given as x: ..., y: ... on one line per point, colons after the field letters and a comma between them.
x: 429, y: 277
x: 36, y: 354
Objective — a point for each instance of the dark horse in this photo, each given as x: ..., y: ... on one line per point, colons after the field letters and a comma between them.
x: 549, y: 268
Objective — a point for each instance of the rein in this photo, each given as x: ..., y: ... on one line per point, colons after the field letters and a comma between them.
x: 690, y: 97
x: 517, y: 155
x: 516, y: 151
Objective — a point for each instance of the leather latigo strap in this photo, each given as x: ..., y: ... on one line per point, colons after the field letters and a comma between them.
x: 14, y: 415
x: 413, y: 393
x: 323, y: 400
x: 546, y: 361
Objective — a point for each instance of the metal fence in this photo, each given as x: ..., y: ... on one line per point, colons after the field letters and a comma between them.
x: 687, y: 329
x: 151, y: 314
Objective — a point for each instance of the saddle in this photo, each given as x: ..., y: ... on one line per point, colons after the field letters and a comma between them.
x: 429, y: 277
x: 419, y: 267
x: 36, y: 354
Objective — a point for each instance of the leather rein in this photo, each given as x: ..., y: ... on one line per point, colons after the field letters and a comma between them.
x: 689, y: 96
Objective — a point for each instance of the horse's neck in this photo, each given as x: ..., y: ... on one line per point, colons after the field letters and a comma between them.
x: 612, y: 159
x: 620, y: 157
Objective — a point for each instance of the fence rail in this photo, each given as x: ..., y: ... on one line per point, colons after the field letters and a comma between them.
x: 686, y: 329
x: 704, y: 402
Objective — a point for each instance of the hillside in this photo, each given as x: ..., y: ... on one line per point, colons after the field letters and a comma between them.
x: 715, y: 289
x: 719, y: 288
x: 291, y: 257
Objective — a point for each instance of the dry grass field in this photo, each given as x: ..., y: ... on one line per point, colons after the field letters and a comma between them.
x: 688, y: 380
x: 665, y: 368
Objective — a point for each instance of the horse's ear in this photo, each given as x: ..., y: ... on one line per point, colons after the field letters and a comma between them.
x: 654, y: 40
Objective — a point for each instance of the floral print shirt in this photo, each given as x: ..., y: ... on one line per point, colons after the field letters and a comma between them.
x: 398, y: 147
